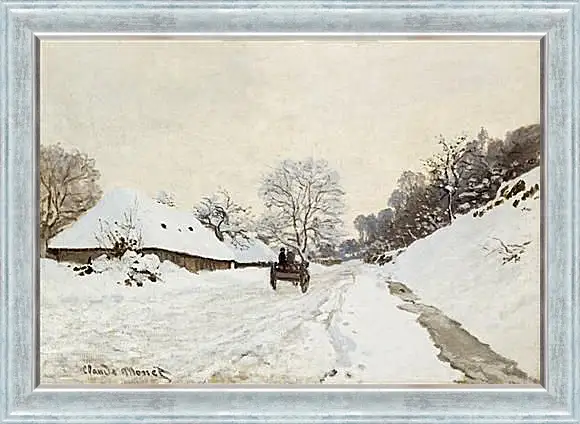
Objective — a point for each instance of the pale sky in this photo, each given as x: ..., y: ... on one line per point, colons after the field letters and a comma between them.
x: 191, y: 116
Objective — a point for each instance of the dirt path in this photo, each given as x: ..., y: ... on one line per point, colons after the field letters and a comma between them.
x: 459, y: 348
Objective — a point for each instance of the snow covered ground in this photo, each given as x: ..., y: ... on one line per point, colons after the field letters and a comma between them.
x: 460, y: 269
x: 230, y: 326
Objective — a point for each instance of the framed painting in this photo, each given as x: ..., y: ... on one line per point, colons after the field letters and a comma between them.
x: 289, y: 211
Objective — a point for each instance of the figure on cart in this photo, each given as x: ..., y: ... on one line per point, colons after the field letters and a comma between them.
x: 287, y: 260
x: 282, y: 257
x: 289, y: 270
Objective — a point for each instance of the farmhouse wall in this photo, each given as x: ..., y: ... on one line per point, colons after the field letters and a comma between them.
x: 79, y: 256
x: 191, y: 263
x: 251, y: 264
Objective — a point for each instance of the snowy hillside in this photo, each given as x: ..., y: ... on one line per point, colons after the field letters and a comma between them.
x: 484, y: 271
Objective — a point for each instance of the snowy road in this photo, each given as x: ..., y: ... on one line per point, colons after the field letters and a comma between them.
x: 230, y: 326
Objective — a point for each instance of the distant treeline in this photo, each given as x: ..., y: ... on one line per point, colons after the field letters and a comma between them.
x: 464, y: 175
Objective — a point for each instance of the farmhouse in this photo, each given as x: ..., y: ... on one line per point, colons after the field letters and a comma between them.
x: 254, y: 253
x: 169, y: 233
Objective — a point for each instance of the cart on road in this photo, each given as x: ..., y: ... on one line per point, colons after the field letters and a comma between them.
x: 297, y: 273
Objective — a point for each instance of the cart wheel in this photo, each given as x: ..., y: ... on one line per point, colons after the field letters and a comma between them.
x: 305, y: 283
x: 273, y: 278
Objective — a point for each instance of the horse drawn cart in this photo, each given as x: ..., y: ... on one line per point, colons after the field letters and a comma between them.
x: 296, y: 273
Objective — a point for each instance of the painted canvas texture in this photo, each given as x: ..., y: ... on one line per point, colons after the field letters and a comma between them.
x: 290, y: 212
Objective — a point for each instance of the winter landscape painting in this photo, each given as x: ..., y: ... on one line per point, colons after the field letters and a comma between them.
x: 289, y: 212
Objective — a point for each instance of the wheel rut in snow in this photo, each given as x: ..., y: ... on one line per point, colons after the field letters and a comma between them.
x: 340, y: 342
x: 270, y: 362
x: 463, y: 351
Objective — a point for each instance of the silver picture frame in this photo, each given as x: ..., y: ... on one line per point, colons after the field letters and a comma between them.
x: 554, y: 24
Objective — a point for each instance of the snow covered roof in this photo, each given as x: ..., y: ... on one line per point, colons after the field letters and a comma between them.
x: 256, y: 251
x: 161, y: 227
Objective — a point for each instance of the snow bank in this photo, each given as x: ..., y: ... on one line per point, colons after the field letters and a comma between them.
x: 161, y: 226
x: 386, y: 257
x: 131, y: 268
x: 379, y: 343
x: 485, y: 273
x: 191, y: 325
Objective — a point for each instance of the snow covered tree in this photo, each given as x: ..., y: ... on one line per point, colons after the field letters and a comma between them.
x: 325, y: 251
x: 521, y: 151
x: 122, y: 235
x: 304, y: 205
x: 479, y: 181
x: 421, y: 216
x: 68, y: 188
x: 349, y: 248
x: 165, y: 198
x: 369, y: 227
x: 225, y: 217
x: 360, y: 225
x: 366, y: 225
x: 411, y: 209
x: 397, y: 200
x: 464, y: 175
x: 384, y: 219
x: 407, y: 183
x: 451, y: 168
x: 512, y: 157
x: 443, y: 170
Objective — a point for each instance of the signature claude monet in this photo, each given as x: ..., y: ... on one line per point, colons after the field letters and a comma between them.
x: 106, y: 370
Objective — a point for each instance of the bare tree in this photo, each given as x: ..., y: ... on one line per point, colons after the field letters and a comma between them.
x: 165, y: 198
x: 225, y: 217
x: 120, y: 236
x: 360, y: 225
x: 68, y: 188
x: 384, y: 219
x: 408, y: 183
x: 367, y: 227
x: 349, y: 248
x: 304, y: 204
x: 521, y: 150
x: 509, y: 252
